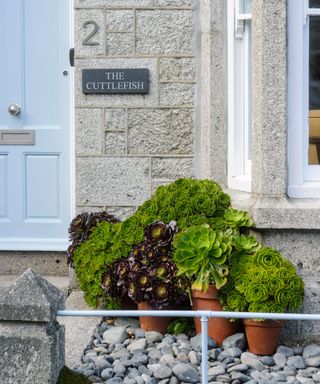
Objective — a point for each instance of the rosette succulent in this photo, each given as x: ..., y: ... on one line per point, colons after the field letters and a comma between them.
x: 148, y: 274
x: 200, y: 254
x: 263, y: 281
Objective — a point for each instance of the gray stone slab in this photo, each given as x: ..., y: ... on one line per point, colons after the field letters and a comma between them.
x: 155, y: 35
x: 31, y: 353
x: 177, y: 68
x: 174, y: 95
x: 269, y: 97
x: 120, y: 44
x: 160, y: 131
x: 172, y: 168
x: 301, y: 248
x: 112, y: 181
x: 115, y: 143
x: 89, y: 131
x: 112, y: 3
x: 31, y: 298
x: 120, y: 20
x: 115, y: 119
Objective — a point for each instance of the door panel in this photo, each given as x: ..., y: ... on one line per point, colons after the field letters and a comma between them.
x: 3, y: 186
x: 42, y: 187
x: 35, y: 179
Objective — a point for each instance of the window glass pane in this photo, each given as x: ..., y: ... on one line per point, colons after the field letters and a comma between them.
x: 249, y: 109
x: 314, y: 3
x: 314, y: 90
x: 247, y: 6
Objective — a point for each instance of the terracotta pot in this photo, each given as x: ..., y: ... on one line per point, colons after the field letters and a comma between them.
x: 263, y: 336
x: 150, y: 323
x: 218, y: 328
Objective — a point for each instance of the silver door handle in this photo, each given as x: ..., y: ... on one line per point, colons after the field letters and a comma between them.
x: 14, y: 109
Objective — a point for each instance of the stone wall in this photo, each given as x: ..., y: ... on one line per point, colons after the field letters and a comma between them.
x: 127, y: 145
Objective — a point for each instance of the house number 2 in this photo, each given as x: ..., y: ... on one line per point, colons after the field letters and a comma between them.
x: 93, y: 31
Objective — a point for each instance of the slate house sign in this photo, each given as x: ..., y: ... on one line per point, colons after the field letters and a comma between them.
x: 115, y: 81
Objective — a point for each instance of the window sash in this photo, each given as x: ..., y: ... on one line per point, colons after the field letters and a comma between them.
x: 304, y: 179
x: 239, y: 94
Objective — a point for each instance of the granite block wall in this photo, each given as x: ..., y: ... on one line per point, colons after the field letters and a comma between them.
x: 127, y: 145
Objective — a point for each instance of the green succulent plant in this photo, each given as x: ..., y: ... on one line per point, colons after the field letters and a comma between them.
x: 200, y: 254
x: 263, y: 281
x: 189, y: 202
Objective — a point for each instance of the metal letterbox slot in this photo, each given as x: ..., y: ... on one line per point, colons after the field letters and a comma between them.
x: 17, y: 137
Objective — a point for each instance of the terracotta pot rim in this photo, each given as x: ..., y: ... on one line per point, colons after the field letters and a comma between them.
x: 210, y: 293
x: 263, y: 323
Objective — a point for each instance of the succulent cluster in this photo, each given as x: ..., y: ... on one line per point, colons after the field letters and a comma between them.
x: 81, y: 227
x: 201, y: 255
x: 263, y: 281
x: 148, y: 274
x: 189, y: 202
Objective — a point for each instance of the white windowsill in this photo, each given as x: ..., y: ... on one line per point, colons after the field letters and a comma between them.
x: 241, y: 183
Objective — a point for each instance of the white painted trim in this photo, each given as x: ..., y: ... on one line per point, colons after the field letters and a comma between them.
x: 72, y: 122
x: 304, y: 179
x: 307, y: 190
x: 239, y: 166
x: 25, y: 244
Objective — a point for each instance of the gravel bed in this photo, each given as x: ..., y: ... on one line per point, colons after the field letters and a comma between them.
x: 124, y: 353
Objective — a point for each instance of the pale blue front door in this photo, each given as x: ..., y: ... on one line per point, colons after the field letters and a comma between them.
x: 34, y: 124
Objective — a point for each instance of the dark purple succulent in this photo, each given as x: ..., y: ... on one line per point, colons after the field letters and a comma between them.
x: 159, y: 233
x: 122, y: 270
x: 81, y: 226
x: 161, y: 293
x: 164, y: 270
x: 149, y: 273
x: 108, y: 282
x: 143, y: 279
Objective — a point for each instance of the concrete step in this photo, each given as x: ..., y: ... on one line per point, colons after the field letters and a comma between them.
x: 61, y: 282
x: 78, y: 330
x: 43, y: 262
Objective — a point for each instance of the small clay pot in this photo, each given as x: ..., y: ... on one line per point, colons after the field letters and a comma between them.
x: 218, y: 328
x: 151, y: 323
x: 263, y: 336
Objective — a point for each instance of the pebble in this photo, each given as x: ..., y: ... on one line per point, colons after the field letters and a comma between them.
x: 279, y: 359
x: 114, y: 335
x: 137, y: 344
x: 153, y: 337
x: 252, y: 361
x: 236, y: 340
x: 114, y: 357
x: 162, y: 373
x: 186, y: 373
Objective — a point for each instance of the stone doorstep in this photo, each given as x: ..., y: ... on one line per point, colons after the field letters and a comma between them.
x: 61, y: 282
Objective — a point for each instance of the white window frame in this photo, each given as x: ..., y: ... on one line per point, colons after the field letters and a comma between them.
x: 304, y: 179
x: 239, y: 165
